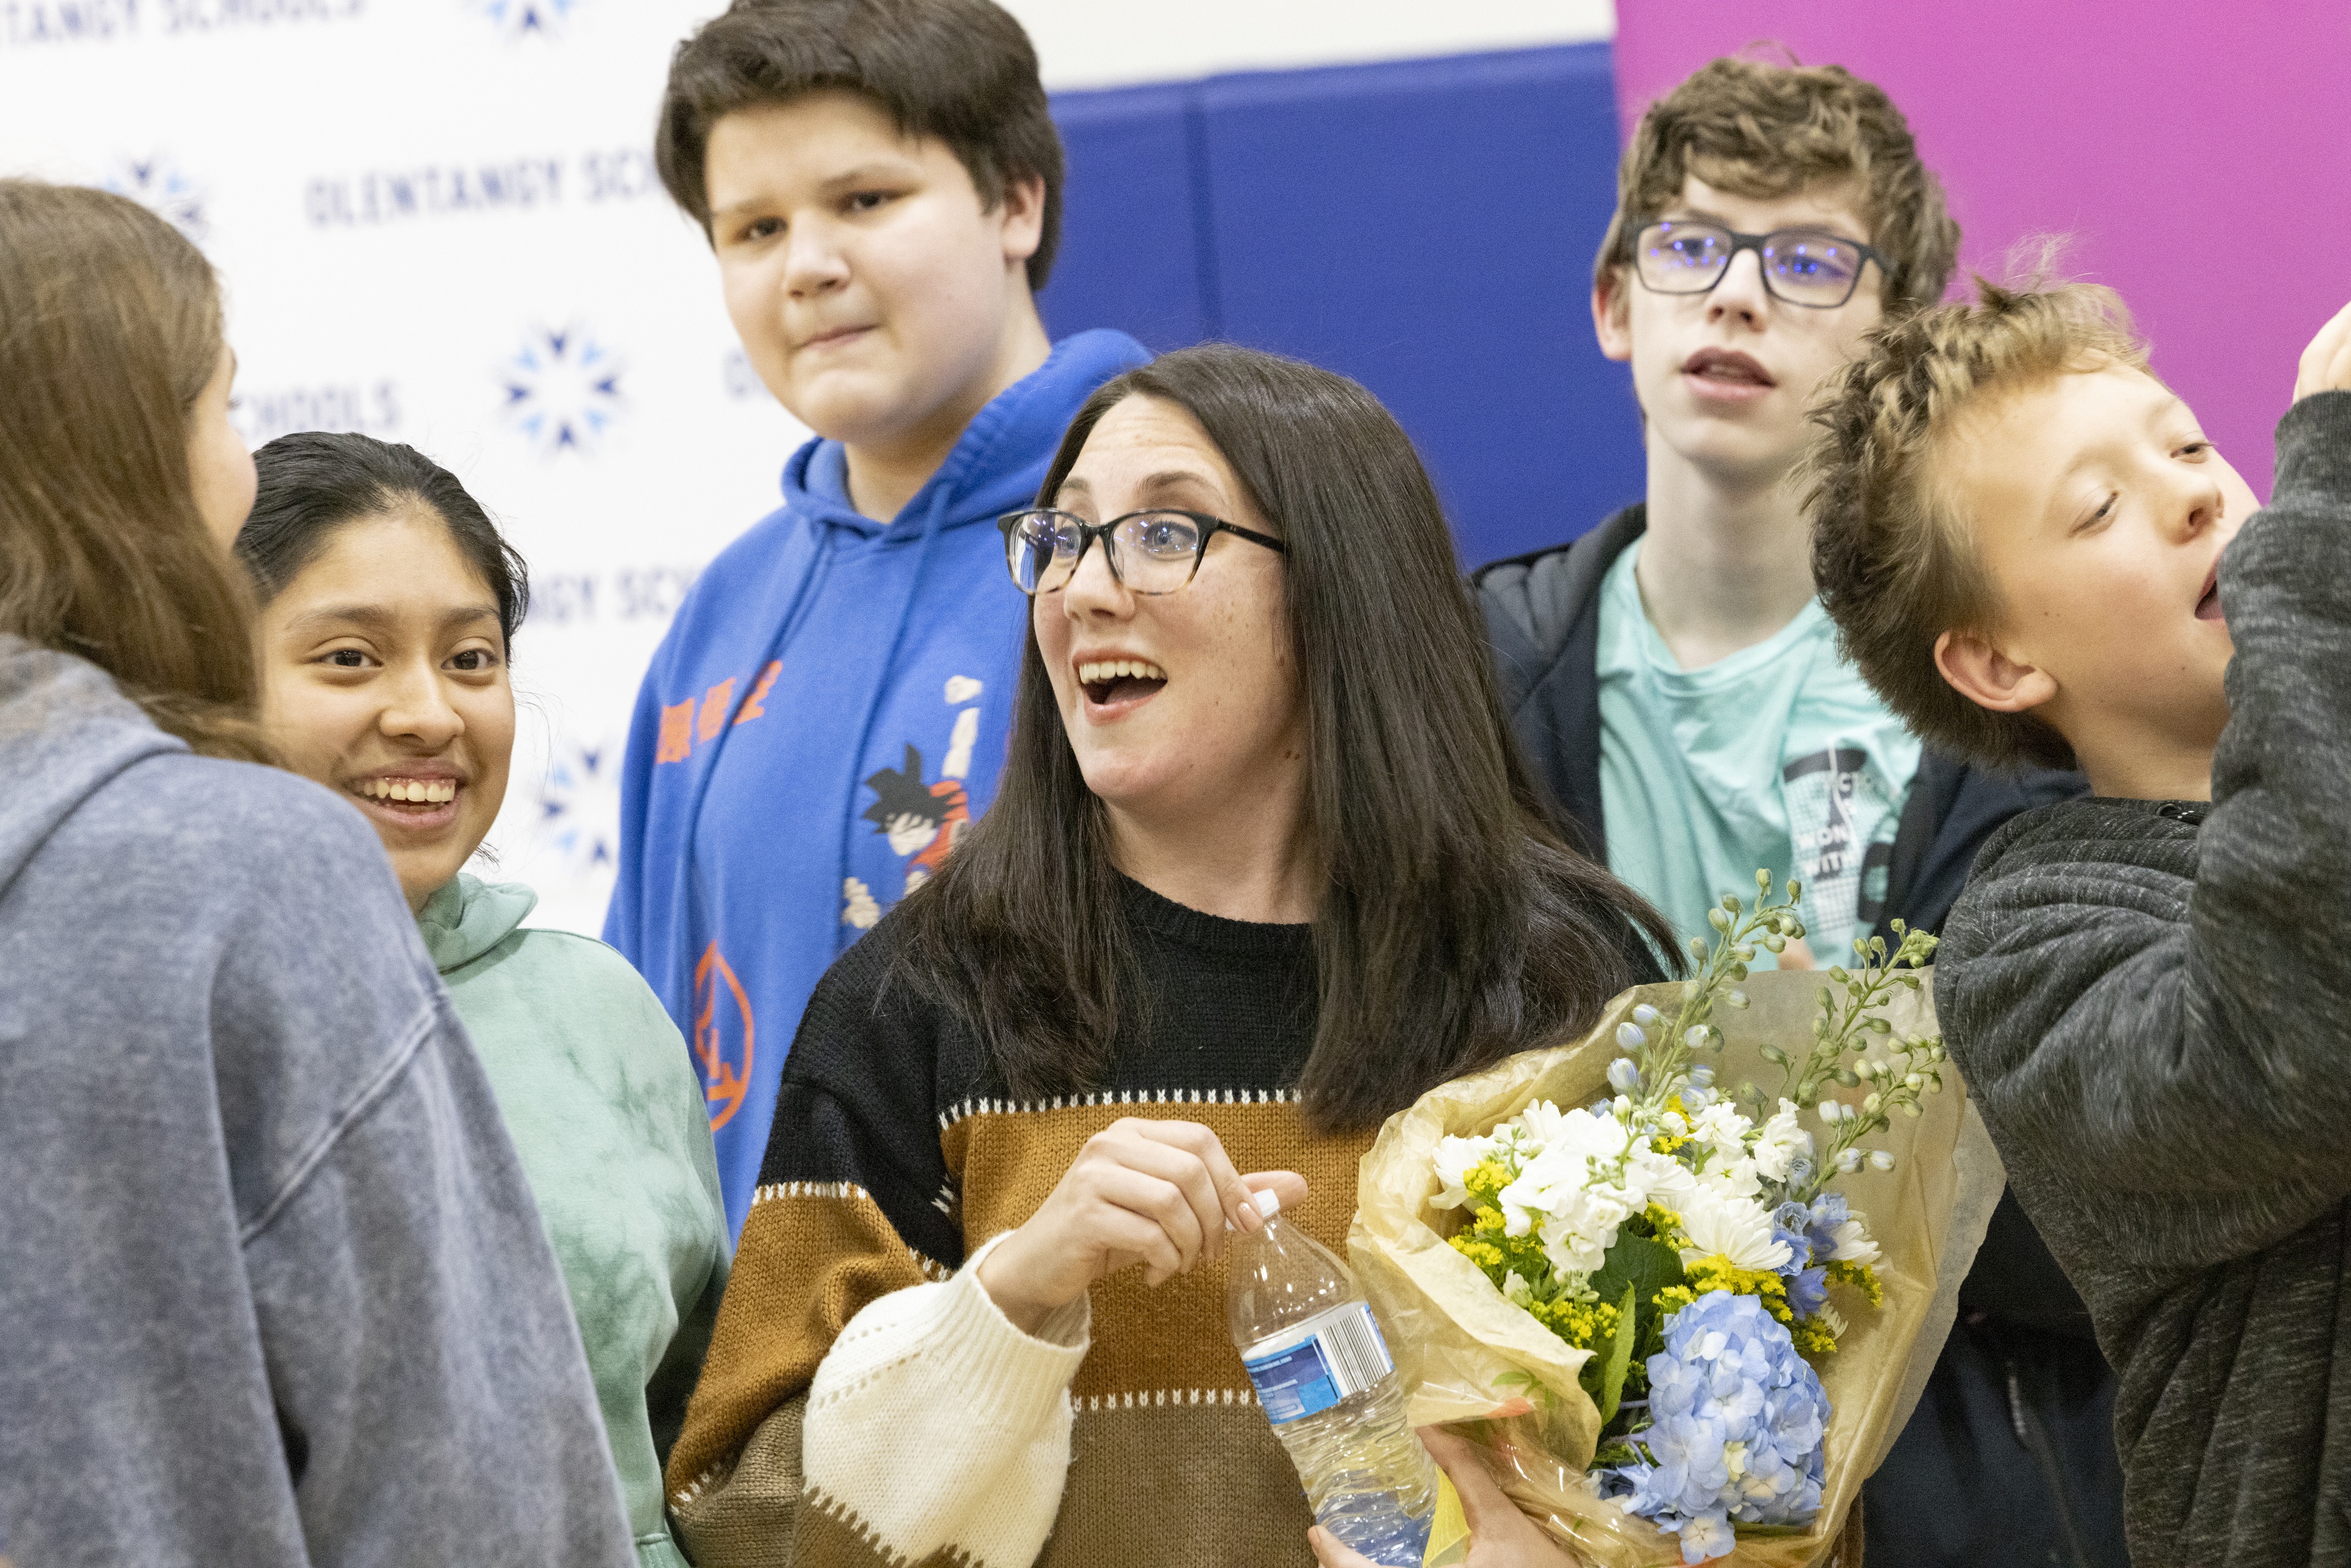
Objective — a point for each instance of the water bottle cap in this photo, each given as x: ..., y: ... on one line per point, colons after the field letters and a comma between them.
x: 1266, y: 1201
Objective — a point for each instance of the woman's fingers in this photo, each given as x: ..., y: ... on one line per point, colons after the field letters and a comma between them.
x: 1289, y: 1185
x: 1187, y: 1175
x: 1137, y: 1201
x: 1223, y: 1181
x: 1331, y: 1554
x: 2327, y: 364
x: 1498, y: 1533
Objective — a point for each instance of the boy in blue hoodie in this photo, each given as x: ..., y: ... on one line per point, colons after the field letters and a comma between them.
x: 880, y: 184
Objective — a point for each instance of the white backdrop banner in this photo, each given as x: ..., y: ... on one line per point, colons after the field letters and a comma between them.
x: 438, y: 223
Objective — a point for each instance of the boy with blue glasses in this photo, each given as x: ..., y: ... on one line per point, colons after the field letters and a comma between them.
x: 1678, y: 687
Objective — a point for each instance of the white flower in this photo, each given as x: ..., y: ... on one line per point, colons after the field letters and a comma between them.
x: 1724, y: 1130
x: 1456, y: 1159
x: 1542, y: 1124
x: 1515, y: 1289
x: 1779, y: 1143
x: 1714, y: 1222
x: 1852, y: 1244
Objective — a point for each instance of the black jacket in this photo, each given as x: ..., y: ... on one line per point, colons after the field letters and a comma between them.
x: 1542, y: 616
x: 2008, y: 1457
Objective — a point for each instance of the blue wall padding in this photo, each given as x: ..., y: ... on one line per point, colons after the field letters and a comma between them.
x: 1426, y: 226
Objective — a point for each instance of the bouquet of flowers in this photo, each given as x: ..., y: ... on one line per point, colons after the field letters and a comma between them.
x: 1659, y: 1274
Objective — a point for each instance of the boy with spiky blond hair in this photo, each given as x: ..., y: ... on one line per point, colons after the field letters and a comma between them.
x: 2034, y: 555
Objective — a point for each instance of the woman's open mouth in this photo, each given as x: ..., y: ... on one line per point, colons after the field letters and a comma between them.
x: 1119, y: 682
x: 409, y: 803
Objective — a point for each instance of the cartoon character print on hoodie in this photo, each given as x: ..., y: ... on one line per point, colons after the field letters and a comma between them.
x: 807, y: 659
x: 919, y: 820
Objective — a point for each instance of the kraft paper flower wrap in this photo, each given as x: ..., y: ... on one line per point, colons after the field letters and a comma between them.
x: 1470, y: 1356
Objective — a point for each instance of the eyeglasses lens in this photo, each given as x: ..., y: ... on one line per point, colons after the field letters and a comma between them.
x: 1683, y: 259
x: 1810, y: 269
x: 1156, y: 552
x: 1042, y: 551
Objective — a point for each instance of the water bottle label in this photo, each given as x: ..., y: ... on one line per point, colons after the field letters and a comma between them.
x: 1315, y: 1364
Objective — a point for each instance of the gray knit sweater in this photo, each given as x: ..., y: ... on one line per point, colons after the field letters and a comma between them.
x: 2153, y: 1003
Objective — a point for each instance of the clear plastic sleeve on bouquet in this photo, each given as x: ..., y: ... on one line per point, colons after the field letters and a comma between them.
x: 1472, y: 1360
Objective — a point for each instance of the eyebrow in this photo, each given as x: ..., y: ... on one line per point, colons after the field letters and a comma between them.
x: 375, y: 618
x: 1683, y: 213
x: 863, y: 175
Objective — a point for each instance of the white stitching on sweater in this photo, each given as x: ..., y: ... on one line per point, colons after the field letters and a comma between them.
x: 760, y: 1195
x: 1155, y: 1398
x: 976, y: 1106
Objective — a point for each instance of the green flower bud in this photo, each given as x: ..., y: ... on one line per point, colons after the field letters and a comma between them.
x: 1718, y: 919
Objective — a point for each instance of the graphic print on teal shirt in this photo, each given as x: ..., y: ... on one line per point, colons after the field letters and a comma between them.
x: 1778, y: 756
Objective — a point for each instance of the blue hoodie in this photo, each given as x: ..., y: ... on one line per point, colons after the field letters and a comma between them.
x: 826, y: 713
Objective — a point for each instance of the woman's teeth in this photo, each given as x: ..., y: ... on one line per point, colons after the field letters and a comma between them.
x: 1120, y: 669
x: 415, y: 790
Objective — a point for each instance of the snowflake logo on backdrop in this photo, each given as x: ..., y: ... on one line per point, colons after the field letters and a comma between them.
x: 580, y: 807
x: 526, y: 19
x: 562, y: 390
x: 165, y: 189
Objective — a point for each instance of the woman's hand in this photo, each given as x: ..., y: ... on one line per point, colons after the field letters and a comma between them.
x: 2327, y: 364
x: 1154, y: 1193
x: 1499, y: 1535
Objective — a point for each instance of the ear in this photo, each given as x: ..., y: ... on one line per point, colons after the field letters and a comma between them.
x: 1612, y: 315
x: 1988, y: 677
x: 1023, y: 216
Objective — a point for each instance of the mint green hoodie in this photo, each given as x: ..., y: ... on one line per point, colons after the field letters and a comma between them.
x: 596, y: 1088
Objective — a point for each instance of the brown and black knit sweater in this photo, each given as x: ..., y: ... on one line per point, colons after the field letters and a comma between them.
x: 894, y: 1158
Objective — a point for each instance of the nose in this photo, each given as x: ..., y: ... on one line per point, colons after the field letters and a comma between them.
x: 813, y: 261
x: 1740, y: 295
x: 1094, y: 590
x: 418, y: 710
x: 2200, y: 503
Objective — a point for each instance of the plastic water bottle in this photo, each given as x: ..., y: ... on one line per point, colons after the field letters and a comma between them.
x: 1328, y: 1384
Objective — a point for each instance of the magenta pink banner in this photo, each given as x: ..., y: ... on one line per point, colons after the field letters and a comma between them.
x: 2199, y: 155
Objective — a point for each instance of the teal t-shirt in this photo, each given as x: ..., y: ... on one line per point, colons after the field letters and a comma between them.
x: 1779, y: 758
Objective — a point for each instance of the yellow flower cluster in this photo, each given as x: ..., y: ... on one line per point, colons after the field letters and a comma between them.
x: 1860, y: 1276
x: 1718, y: 1272
x: 1587, y: 1325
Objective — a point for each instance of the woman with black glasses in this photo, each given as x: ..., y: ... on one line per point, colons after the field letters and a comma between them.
x: 1263, y: 867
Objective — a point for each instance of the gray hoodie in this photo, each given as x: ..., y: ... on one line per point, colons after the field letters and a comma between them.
x: 272, y: 1288
x: 2152, y: 1003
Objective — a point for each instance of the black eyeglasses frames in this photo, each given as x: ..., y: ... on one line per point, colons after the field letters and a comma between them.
x: 1812, y: 268
x: 1152, y: 552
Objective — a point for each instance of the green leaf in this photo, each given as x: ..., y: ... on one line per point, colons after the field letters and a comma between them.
x: 1619, y: 1356
x: 1643, y: 1262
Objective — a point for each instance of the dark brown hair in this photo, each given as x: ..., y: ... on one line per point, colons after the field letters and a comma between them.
x: 1892, y: 551
x: 109, y: 328
x: 1766, y: 130
x: 1454, y: 927
x: 960, y: 70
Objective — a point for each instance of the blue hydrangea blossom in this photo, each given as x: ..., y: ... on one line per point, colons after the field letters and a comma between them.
x: 1738, y: 1430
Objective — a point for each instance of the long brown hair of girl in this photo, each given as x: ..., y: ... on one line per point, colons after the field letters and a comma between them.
x: 109, y: 328
x: 1455, y: 926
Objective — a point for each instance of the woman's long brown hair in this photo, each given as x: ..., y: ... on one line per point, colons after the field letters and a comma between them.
x: 1455, y: 927
x: 109, y: 328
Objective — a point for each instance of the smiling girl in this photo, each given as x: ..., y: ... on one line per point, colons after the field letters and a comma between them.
x: 391, y: 605
x: 1263, y: 867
